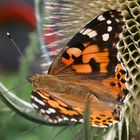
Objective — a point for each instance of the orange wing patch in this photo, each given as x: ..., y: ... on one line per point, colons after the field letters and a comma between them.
x: 101, y: 57
x: 104, y: 118
x: 91, y: 49
x: 91, y: 52
x: 121, y: 74
x: 117, y: 83
x: 71, y: 52
x: 82, y: 68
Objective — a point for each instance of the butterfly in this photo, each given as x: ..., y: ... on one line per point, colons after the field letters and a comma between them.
x: 86, y: 70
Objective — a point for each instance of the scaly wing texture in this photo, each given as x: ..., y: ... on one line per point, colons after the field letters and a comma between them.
x: 57, y: 110
x: 88, y: 65
x: 63, y: 107
x: 93, y: 49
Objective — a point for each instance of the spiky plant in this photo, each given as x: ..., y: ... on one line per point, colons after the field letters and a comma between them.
x: 70, y: 17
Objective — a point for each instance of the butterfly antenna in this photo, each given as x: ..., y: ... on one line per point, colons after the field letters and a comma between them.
x: 15, y: 45
x: 19, y: 86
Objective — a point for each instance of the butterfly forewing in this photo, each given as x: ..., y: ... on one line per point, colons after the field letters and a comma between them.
x: 86, y: 67
x: 93, y: 49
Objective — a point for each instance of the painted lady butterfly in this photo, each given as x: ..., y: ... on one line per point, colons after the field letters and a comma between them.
x: 86, y: 67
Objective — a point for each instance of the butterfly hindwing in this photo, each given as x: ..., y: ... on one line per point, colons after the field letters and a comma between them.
x: 56, y: 110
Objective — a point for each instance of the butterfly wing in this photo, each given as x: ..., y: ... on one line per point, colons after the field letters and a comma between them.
x: 93, y: 50
x: 57, y: 110
x: 67, y: 108
x: 87, y: 65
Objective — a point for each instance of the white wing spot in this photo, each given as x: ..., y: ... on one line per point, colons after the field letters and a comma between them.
x: 55, y: 121
x: 48, y: 112
x: 73, y: 120
x: 86, y: 31
x: 32, y: 97
x: 35, y: 106
x: 81, y: 120
x: 51, y: 110
x: 101, y: 18
x: 42, y: 111
x: 38, y: 101
x: 60, y: 119
x: 109, y: 21
x: 65, y: 118
x: 112, y: 16
x: 92, y: 34
x: 82, y: 30
x: 117, y: 20
x: 109, y: 28
x: 105, y: 36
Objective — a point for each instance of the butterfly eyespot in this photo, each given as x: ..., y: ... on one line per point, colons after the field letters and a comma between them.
x: 88, y: 65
